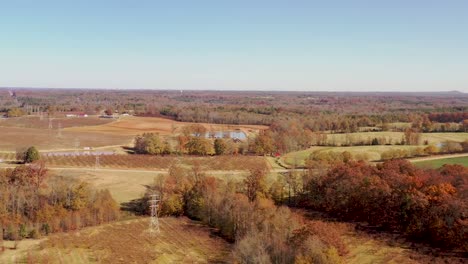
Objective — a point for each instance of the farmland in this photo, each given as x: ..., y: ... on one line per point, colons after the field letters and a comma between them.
x: 394, y: 137
x: 92, y: 131
x: 371, y: 153
x: 437, y: 163
x: 44, y: 139
x: 64, y: 122
x: 218, y: 180
x: 138, y: 125
x: 149, y: 162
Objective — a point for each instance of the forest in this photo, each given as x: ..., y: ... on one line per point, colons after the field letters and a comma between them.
x: 425, y: 205
x: 33, y: 205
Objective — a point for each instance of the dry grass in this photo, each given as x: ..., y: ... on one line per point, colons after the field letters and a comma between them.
x: 149, y: 162
x: 36, y: 122
x: 138, y: 125
x: 124, y: 186
x: 91, y: 131
x: 395, y: 137
x: 180, y: 241
x: 45, y: 139
x: 373, y: 152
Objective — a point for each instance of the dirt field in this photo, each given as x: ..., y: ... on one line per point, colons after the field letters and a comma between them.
x: 91, y: 131
x: 123, y: 185
x: 137, y: 125
x: 36, y: 122
x: 180, y: 241
x: 45, y: 139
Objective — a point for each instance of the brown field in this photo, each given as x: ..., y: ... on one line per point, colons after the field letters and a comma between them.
x: 91, y: 131
x: 45, y: 139
x: 123, y: 185
x: 36, y: 122
x: 149, y: 162
x: 138, y: 125
x: 180, y: 241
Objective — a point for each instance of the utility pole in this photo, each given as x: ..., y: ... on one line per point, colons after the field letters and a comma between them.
x: 154, y: 221
x: 97, y: 164
x: 59, y: 130
x: 77, y: 144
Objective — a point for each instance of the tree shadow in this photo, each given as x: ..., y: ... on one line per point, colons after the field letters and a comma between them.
x: 135, y: 206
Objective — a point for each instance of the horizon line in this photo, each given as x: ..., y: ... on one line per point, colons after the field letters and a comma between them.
x: 231, y: 90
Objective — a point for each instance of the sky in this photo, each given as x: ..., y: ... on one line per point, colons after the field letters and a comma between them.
x: 349, y: 45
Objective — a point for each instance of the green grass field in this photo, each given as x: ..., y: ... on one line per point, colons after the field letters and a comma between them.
x: 372, y: 152
x: 394, y: 137
x: 441, y: 162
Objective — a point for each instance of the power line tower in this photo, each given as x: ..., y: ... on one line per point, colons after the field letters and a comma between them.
x: 77, y: 144
x: 59, y: 134
x: 154, y: 221
x: 97, y: 164
x: 50, y: 123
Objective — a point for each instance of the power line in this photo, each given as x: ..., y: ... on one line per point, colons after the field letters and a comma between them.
x: 154, y: 221
x: 97, y: 164
x: 59, y: 130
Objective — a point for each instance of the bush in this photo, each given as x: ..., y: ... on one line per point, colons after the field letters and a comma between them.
x: 31, y: 155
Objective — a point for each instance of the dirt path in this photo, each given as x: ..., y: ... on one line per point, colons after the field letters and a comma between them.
x: 444, y: 156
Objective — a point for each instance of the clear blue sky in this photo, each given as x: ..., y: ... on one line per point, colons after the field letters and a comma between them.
x: 310, y: 45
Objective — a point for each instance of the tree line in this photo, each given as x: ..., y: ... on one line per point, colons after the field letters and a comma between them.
x: 243, y: 213
x: 33, y: 204
x: 425, y: 204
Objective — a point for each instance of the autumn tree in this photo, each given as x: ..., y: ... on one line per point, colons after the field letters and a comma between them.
x: 199, y: 146
x: 31, y: 155
x: 255, y: 183
x: 150, y: 143
x: 263, y: 144
x: 412, y: 136
x: 220, y: 146
x: 109, y: 111
x: 15, y: 112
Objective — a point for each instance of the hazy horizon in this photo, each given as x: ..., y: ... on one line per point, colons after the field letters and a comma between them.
x: 338, y: 46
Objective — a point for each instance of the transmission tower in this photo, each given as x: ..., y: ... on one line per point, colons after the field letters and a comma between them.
x: 154, y: 221
x: 77, y: 144
x: 50, y: 123
x: 97, y: 164
x: 59, y: 134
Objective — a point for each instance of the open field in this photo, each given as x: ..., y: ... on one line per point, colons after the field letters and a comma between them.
x: 45, y: 139
x: 138, y: 125
x: 123, y: 185
x: 36, y: 122
x: 373, y: 152
x: 437, y: 163
x: 394, y: 137
x: 151, y: 162
x: 180, y: 241
x: 92, y: 131
x: 126, y: 185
